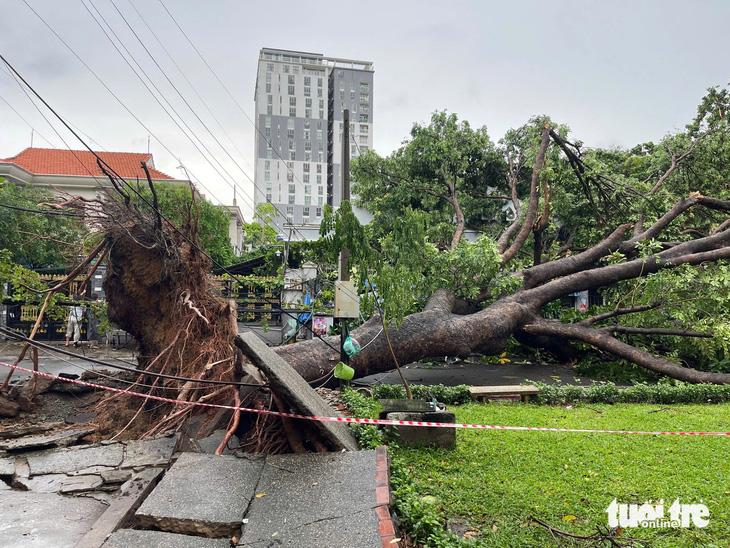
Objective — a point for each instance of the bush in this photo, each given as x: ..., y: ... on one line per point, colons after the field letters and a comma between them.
x: 450, y: 395
x: 666, y: 392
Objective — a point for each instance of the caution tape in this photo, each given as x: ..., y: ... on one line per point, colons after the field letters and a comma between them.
x: 354, y: 420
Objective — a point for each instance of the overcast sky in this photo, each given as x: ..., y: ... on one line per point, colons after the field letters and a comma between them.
x: 617, y: 73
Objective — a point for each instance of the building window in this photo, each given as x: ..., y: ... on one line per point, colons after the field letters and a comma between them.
x: 292, y: 155
x: 364, y: 87
x: 319, y: 168
x: 293, y: 112
x: 268, y: 88
x: 363, y: 118
x: 269, y: 109
x: 292, y: 188
x: 292, y: 101
x: 320, y: 200
x: 307, y: 91
x: 319, y: 179
x: 319, y: 82
x: 290, y: 176
x: 268, y: 77
x: 286, y: 69
x: 305, y: 212
x: 269, y: 99
x: 305, y: 168
x: 295, y: 69
x: 267, y: 165
x: 291, y: 80
x: 306, y: 134
x: 305, y: 178
x: 269, y: 153
x: 342, y: 85
x: 363, y: 139
x: 307, y: 112
x: 307, y: 145
x: 267, y: 132
x: 319, y: 134
x: 308, y: 103
x: 319, y: 212
x: 321, y: 114
x: 320, y: 191
x: 308, y: 200
x: 307, y: 188
x: 307, y: 156
x: 290, y: 214
x: 364, y: 97
x: 267, y: 175
x: 292, y: 145
x: 319, y: 92
x: 364, y: 108
x: 363, y: 128
x: 291, y: 198
x: 270, y: 67
x: 268, y: 197
x: 307, y: 80
x: 291, y: 90
x: 320, y: 157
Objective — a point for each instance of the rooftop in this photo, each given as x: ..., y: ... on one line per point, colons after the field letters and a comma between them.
x: 82, y: 163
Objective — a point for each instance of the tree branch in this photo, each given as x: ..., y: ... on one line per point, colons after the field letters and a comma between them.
x: 654, y: 331
x: 603, y: 341
x: 534, y: 200
x: 619, y: 312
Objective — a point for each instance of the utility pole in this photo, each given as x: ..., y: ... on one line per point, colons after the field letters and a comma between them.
x: 345, y: 253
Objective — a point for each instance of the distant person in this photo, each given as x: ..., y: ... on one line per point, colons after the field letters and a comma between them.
x: 92, y: 333
x: 73, y: 328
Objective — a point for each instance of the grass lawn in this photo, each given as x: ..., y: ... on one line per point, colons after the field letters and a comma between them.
x: 492, y: 481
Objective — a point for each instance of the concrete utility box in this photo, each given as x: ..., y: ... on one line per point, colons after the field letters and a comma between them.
x: 347, y: 301
x: 422, y: 411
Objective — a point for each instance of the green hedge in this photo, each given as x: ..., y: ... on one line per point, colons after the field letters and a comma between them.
x: 664, y: 392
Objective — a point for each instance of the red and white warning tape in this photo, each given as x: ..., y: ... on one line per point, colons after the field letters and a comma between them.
x: 379, y: 422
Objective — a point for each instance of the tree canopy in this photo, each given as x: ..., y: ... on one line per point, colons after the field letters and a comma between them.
x: 33, y: 235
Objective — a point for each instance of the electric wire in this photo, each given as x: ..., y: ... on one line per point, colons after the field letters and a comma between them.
x: 143, y: 198
x: 37, y: 344
x: 43, y: 211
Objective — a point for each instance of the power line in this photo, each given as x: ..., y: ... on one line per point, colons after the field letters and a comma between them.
x: 43, y: 211
x: 23, y: 338
x: 157, y: 211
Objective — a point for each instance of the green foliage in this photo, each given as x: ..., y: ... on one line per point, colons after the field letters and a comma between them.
x: 419, y: 174
x: 450, y: 395
x: 674, y: 392
x: 361, y: 406
x: 177, y: 204
x: 261, y: 231
x: 36, y: 240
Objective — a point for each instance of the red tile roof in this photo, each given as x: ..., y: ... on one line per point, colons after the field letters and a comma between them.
x: 48, y: 161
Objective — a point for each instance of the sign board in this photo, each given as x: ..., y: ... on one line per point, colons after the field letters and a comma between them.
x: 347, y: 301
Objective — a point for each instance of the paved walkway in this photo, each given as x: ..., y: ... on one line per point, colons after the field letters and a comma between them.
x: 108, y: 496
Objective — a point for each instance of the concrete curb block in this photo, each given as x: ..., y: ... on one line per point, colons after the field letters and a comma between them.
x: 386, y: 528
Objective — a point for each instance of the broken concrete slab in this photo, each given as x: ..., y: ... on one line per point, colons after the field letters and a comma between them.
x: 58, y: 439
x: 286, y: 381
x: 121, y: 509
x: 204, y: 495
x: 80, y: 484
x: 116, y: 476
x: 19, y: 431
x: 67, y: 460
x: 327, y: 499
x: 153, y: 452
x: 131, y: 538
x: 96, y: 469
x: 48, y: 483
x: 212, y: 442
x: 45, y: 519
x: 7, y: 467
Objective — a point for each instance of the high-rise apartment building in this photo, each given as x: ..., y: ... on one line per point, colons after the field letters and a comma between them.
x: 300, y: 100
